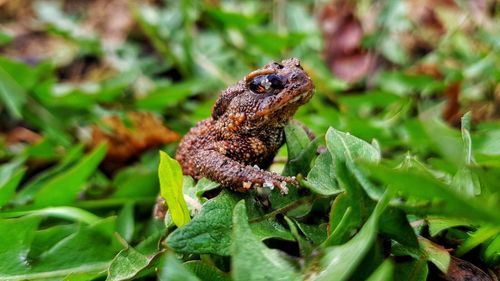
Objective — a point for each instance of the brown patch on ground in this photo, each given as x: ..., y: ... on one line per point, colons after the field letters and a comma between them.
x: 126, y: 141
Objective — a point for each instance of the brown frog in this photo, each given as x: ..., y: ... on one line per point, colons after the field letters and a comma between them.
x: 246, y: 128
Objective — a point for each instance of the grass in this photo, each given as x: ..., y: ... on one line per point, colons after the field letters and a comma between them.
x: 406, y: 107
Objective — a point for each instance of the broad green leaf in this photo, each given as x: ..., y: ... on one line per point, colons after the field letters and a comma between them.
x: 438, y: 224
x: 301, y: 150
x: 127, y: 264
x: 345, y: 146
x: 248, y: 254
x: 270, y: 228
x: 29, y: 190
x: 383, y: 273
x: 305, y: 246
x: 415, y: 270
x: 16, y: 236
x: 170, y: 174
x: 64, y: 188
x: 345, y: 150
x: 339, y: 262
x: 479, y: 236
x: 344, y: 218
x: 210, y: 231
x: 173, y: 270
x: 128, y: 179
x: 8, y: 186
x: 445, y: 140
x: 373, y: 191
x: 321, y: 178
x: 125, y: 224
x: 315, y: 233
x: 48, y: 237
x: 394, y: 224
x: 349, y: 209
x: 90, y: 249
x: 443, y: 200
x: 206, y: 272
x: 492, y: 252
x: 204, y: 185
x: 436, y: 254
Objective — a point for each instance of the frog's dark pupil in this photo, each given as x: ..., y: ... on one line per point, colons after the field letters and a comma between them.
x: 276, y: 81
x: 266, y: 83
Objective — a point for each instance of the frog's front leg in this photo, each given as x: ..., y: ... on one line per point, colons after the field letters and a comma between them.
x: 220, y: 168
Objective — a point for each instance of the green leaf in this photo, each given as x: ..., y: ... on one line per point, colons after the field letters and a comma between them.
x: 315, y: 233
x: 206, y: 272
x: 270, y: 228
x: 339, y: 262
x: 492, y: 252
x: 347, y: 150
x: 88, y: 250
x: 203, y: 185
x: 125, y: 222
x: 394, y: 224
x: 68, y: 213
x: 445, y: 140
x: 344, y: 218
x: 296, y: 138
x: 383, y: 272
x: 29, y: 190
x: 304, y: 245
x: 321, y: 178
x: 443, y: 200
x: 300, y: 149
x: 345, y: 146
x: 436, y: 254
x: 170, y: 174
x: 17, y: 235
x: 12, y: 95
x: 210, y: 231
x: 127, y: 264
x: 128, y: 179
x: 64, y: 188
x: 48, y: 237
x: 438, y: 224
x: 249, y: 254
x: 173, y: 270
x: 479, y: 236
x: 234, y: 19
x: 171, y: 94
x: 415, y: 270
x: 95, y: 242
x: 8, y: 186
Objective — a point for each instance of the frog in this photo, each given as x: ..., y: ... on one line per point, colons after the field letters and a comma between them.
x: 236, y: 145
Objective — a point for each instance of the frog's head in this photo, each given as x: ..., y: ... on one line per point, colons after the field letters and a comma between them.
x: 265, y: 97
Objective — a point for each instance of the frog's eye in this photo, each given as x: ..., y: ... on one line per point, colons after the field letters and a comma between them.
x: 266, y: 84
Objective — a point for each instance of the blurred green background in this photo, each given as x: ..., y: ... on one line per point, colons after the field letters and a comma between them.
x: 139, y: 74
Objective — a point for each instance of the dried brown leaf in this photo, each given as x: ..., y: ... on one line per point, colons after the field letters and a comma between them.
x: 145, y: 131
